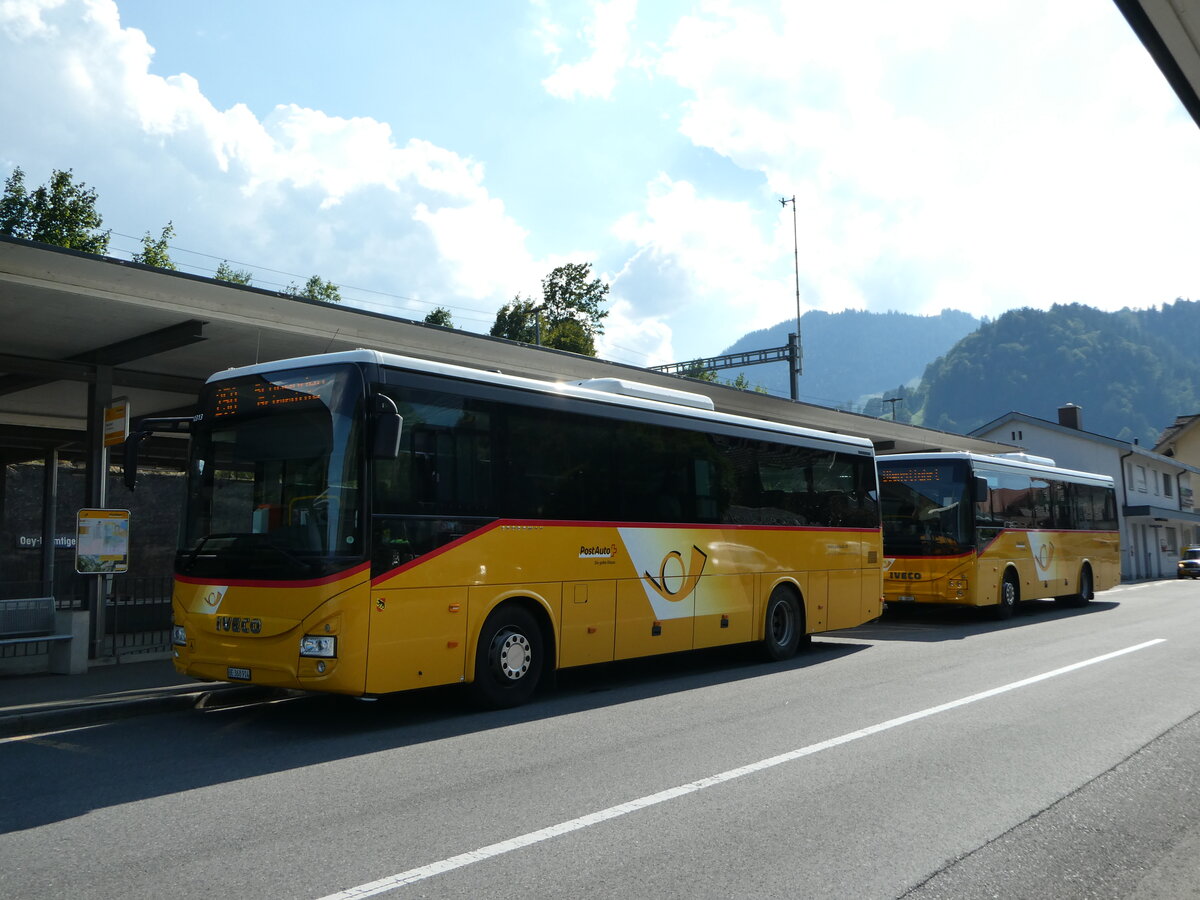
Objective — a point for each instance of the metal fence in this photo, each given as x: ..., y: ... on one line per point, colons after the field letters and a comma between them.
x: 137, y: 615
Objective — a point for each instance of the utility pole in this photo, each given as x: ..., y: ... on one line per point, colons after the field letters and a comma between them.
x: 893, y: 401
x: 797, y: 351
x: 793, y: 352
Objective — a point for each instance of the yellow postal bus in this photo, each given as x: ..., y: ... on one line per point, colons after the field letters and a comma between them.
x: 991, y: 531
x: 363, y: 523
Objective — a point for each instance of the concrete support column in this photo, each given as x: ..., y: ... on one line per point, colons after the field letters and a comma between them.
x: 70, y: 657
x: 49, y: 518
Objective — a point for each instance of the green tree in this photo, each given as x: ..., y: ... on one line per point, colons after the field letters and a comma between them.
x: 697, y: 371
x: 60, y: 212
x: 567, y: 293
x: 156, y: 251
x: 571, y: 335
x: 742, y: 383
x: 440, y: 316
x: 226, y: 272
x: 517, y: 321
x: 14, y: 205
x: 316, y: 288
x: 570, y: 314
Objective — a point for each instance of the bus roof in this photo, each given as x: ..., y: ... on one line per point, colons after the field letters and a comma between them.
x: 1003, y: 462
x: 648, y: 400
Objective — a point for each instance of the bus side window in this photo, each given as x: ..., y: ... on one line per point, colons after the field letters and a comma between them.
x: 707, y: 505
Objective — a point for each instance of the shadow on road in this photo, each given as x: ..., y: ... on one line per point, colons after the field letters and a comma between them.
x: 60, y: 776
x: 936, y: 624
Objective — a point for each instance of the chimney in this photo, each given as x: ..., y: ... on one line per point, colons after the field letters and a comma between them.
x: 1071, y: 416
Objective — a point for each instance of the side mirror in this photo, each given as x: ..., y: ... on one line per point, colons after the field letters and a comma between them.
x: 981, y: 489
x: 130, y: 454
x: 388, y: 426
x: 145, y: 428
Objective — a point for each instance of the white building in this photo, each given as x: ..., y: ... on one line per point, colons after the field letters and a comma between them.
x: 1154, y: 492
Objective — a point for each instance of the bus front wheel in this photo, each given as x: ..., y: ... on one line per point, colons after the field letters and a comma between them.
x: 508, y: 659
x: 784, y: 625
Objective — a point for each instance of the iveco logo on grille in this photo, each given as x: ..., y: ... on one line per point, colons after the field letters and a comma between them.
x: 240, y: 626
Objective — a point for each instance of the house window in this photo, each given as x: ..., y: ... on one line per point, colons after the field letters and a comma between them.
x: 1017, y: 435
x: 1139, y: 481
x: 1154, y: 481
x: 1166, y: 485
x: 1172, y: 543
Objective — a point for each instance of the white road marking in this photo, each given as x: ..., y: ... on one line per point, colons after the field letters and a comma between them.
x: 422, y: 873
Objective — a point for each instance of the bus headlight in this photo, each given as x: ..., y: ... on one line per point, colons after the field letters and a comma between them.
x: 958, y: 586
x: 322, y: 645
x: 178, y: 636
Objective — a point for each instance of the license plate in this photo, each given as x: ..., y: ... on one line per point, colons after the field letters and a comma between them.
x: 903, y: 598
x: 236, y: 674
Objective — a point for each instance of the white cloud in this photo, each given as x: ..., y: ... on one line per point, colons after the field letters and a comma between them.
x: 984, y: 150
x: 716, y: 242
x: 21, y: 19
x: 608, y: 39
x: 634, y: 338
x: 701, y: 266
x: 300, y: 190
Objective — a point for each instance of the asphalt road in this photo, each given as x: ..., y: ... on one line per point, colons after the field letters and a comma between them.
x: 935, y: 755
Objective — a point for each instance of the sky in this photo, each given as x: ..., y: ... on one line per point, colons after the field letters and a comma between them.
x: 942, y: 154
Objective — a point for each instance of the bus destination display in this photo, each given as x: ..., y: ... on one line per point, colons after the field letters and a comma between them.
x: 258, y: 396
x: 911, y: 476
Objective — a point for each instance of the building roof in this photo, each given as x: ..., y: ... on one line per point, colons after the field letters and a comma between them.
x: 1172, y: 432
x: 1118, y: 445
x: 1170, y: 31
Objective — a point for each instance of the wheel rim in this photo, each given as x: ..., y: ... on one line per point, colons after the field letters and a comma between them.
x: 782, y: 623
x: 1009, y: 594
x: 511, y: 654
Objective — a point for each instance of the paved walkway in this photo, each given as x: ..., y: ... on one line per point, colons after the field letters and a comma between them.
x: 32, y: 703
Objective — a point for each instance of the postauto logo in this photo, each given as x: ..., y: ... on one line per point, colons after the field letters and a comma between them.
x: 604, y: 551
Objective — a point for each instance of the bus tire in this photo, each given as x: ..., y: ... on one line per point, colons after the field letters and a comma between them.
x: 509, y: 658
x: 1086, y: 590
x: 783, y: 626
x: 1010, y: 597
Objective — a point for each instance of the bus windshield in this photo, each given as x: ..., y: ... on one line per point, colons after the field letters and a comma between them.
x: 273, y: 477
x: 926, y: 511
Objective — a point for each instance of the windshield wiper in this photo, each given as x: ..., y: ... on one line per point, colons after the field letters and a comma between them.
x: 242, y: 544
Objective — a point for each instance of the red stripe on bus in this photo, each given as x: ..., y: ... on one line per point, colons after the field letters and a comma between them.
x: 562, y: 523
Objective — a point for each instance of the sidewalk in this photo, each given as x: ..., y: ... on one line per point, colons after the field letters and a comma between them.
x: 33, y: 703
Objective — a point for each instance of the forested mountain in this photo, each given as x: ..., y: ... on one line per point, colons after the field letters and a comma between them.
x: 1132, y: 371
x: 852, y: 353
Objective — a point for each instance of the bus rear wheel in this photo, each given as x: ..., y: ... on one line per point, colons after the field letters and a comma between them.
x: 784, y: 629
x: 1086, y: 590
x: 1010, y: 597
x: 508, y: 659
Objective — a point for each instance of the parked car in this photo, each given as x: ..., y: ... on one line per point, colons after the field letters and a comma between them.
x: 1189, y: 563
